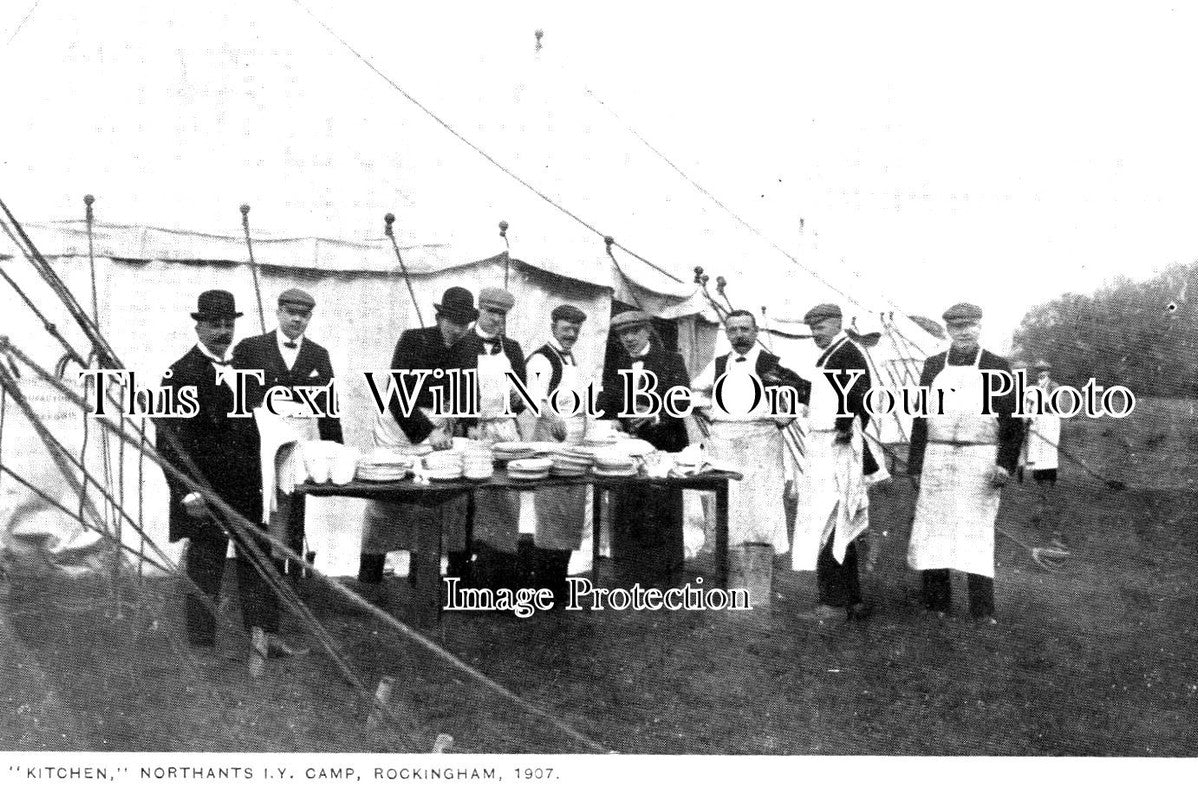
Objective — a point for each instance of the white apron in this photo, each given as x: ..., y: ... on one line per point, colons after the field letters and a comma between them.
x: 397, y: 526
x: 957, y: 506
x: 832, y: 500
x: 756, y: 513
x: 1043, y: 438
x: 563, y: 513
x: 496, y: 513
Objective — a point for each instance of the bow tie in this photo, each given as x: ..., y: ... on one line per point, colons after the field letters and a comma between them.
x: 290, y: 345
x: 492, y: 346
x: 740, y: 359
x: 566, y: 356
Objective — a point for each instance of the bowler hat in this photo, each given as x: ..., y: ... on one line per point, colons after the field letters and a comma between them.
x: 457, y: 304
x: 215, y: 304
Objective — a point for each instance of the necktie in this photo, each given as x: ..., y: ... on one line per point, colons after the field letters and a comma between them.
x: 290, y: 345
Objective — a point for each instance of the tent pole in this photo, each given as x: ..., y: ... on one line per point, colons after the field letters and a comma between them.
x: 249, y: 245
x: 507, y: 247
x: 389, y: 219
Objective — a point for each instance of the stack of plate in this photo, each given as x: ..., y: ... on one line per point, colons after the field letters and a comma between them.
x: 477, y: 464
x: 443, y: 465
x: 508, y: 451
x: 529, y: 469
x: 572, y: 460
x: 613, y: 463
x: 384, y: 465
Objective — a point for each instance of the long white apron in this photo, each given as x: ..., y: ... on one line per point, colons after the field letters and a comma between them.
x: 496, y: 514
x: 563, y: 512
x: 957, y: 506
x: 397, y: 526
x: 832, y: 500
x: 756, y: 512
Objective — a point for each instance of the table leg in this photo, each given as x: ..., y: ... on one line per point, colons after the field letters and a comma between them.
x: 424, y: 567
x: 721, y: 534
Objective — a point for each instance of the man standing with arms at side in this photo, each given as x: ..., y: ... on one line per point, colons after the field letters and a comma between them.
x: 493, y: 355
x: 962, y: 459
x: 1040, y: 446
x: 750, y: 438
x: 287, y: 358
x: 833, y: 505
x: 394, y: 526
x: 224, y: 451
x: 563, y: 513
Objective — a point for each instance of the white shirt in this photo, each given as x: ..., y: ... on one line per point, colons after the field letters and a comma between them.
x: 289, y: 354
x: 540, y: 371
x: 734, y: 390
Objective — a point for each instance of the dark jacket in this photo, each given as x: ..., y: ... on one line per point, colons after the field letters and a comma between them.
x: 312, y: 368
x: 849, y: 356
x: 1010, y: 429
x: 223, y: 449
x: 465, y: 356
x: 670, y: 434
x: 420, y: 349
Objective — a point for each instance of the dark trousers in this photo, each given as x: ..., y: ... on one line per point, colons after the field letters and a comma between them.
x: 839, y: 585
x: 938, y: 592
x: 647, y: 536
x: 205, y: 564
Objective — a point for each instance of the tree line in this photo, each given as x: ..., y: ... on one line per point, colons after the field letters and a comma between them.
x: 1141, y: 334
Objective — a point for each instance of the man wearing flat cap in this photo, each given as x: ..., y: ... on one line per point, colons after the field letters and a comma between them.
x: 289, y: 359
x: 744, y: 434
x: 962, y: 459
x: 1040, y: 454
x: 563, y: 513
x: 391, y: 526
x: 647, y: 541
x: 223, y: 449
x: 833, y: 501
x: 488, y: 351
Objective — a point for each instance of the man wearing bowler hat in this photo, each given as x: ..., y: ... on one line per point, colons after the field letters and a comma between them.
x: 962, y: 459
x: 390, y: 526
x: 223, y: 450
x: 288, y: 358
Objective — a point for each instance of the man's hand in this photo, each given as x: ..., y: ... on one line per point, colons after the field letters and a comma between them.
x: 558, y: 429
x: 999, y: 477
x: 194, y: 505
x: 440, y: 440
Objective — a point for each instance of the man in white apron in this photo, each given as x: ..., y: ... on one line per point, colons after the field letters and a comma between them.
x: 1040, y: 454
x: 963, y: 459
x: 401, y: 526
x: 563, y: 513
x: 496, y: 528
x: 745, y: 435
x: 833, y: 502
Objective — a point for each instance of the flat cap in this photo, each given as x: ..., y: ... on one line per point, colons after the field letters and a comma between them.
x: 963, y: 312
x: 1018, y: 364
x: 494, y: 297
x: 1041, y: 365
x: 298, y: 298
x: 629, y: 319
x: 569, y: 313
x: 820, y: 313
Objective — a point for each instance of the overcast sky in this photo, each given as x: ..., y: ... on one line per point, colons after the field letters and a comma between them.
x: 939, y: 151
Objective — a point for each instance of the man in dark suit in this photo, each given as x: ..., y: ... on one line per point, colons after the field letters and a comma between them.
x: 225, y: 452
x: 491, y: 355
x: 646, y: 521
x: 389, y: 526
x: 287, y: 358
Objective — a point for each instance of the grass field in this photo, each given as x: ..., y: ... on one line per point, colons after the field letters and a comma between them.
x: 1096, y: 659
